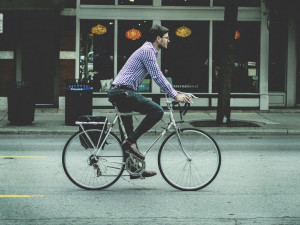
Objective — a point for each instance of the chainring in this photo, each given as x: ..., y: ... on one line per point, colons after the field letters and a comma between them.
x: 134, y: 165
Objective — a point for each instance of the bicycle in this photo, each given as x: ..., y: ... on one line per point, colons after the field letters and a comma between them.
x: 188, y: 159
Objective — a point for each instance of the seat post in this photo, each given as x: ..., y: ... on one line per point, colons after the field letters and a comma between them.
x: 122, y: 130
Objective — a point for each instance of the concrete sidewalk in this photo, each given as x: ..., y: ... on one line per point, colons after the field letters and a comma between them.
x: 273, y: 122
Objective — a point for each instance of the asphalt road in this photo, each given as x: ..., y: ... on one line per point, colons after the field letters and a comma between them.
x: 258, y: 184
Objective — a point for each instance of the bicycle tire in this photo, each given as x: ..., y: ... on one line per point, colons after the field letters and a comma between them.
x: 86, y: 173
x: 188, y: 175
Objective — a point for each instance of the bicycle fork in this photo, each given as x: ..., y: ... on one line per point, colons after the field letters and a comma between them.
x: 181, y: 145
x: 176, y: 127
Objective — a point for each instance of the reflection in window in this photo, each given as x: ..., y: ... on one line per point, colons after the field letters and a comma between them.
x: 97, y: 2
x: 185, y: 2
x: 254, y: 3
x: 96, y: 52
x: 131, y: 36
x: 277, y: 56
x: 185, y: 61
x: 245, y: 77
x: 135, y: 2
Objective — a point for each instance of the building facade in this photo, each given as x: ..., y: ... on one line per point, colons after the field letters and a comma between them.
x: 92, y: 39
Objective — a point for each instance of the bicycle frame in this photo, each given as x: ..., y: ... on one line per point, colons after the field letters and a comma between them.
x: 93, y: 158
x: 118, y: 115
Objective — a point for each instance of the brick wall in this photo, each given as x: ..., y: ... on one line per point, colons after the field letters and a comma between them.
x: 67, y: 33
x: 7, y: 73
x: 67, y: 44
x: 67, y: 71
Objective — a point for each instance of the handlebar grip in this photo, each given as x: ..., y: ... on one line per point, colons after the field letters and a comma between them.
x: 175, y: 103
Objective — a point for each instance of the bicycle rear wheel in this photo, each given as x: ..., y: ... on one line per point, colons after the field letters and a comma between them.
x: 194, y: 174
x: 85, y: 169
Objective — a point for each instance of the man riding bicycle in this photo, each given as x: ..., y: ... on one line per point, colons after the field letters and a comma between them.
x: 123, y: 92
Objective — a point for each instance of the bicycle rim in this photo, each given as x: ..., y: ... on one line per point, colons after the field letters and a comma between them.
x: 89, y: 172
x: 194, y: 174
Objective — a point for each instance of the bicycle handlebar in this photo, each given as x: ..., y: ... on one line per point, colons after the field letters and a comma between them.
x: 186, y: 106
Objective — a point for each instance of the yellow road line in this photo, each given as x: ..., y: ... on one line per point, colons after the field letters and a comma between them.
x: 19, y: 156
x: 20, y: 196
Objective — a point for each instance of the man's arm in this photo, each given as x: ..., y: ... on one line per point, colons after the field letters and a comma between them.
x: 152, y: 67
x: 150, y: 62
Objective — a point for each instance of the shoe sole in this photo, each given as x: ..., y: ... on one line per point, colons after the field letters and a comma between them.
x: 138, y: 177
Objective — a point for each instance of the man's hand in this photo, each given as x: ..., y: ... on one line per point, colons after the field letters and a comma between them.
x: 180, y: 97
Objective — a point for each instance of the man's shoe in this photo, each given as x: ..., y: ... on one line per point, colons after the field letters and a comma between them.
x: 132, y: 148
x: 145, y: 174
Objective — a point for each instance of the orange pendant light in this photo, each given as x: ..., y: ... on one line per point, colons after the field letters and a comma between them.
x: 133, y: 34
x: 99, y: 29
x: 183, y: 32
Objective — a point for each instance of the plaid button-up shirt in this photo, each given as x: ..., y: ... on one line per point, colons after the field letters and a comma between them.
x: 141, y: 63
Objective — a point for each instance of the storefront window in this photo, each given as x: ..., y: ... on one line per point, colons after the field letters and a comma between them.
x: 185, y: 61
x: 246, y: 3
x: 97, y: 2
x: 245, y: 78
x: 277, y: 57
x: 96, y: 53
x: 185, y: 2
x: 131, y: 36
x: 69, y: 4
x: 135, y: 2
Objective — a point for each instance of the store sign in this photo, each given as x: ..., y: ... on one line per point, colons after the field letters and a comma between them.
x: 252, y: 69
x: 251, y: 63
x: 1, y: 23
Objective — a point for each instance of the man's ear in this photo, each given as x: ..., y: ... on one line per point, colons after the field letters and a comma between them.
x: 158, y: 38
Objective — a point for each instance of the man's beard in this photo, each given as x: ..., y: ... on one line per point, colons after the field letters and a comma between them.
x: 161, y: 47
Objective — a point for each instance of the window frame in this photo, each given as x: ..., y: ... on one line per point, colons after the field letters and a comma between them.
x: 121, y: 12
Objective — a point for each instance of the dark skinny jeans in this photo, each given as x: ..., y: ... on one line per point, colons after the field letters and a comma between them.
x: 132, y: 101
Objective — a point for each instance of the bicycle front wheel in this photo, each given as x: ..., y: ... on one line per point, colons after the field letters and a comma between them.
x: 90, y: 171
x: 194, y: 171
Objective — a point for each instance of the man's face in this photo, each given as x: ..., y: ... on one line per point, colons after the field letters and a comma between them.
x: 163, y: 41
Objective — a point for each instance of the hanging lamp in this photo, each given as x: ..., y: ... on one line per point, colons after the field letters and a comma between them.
x: 133, y: 34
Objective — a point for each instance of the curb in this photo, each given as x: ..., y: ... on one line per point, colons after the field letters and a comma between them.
x: 209, y: 130
x: 261, y: 132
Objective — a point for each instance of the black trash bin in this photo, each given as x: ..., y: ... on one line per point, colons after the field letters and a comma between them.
x: 78, y: 102
x: 20, y: 101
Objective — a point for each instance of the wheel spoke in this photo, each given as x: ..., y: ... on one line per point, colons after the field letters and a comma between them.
x: 93, y: 172
x: 182, y: 173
